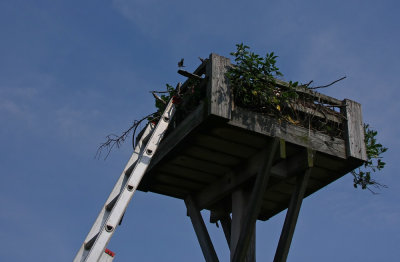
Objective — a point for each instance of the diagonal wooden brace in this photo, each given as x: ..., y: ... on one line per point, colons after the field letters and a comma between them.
x: 201, y: 230
x: 226, y: 223
x: 254, y: 205
x: 292, y: 214
x: 221, y: 212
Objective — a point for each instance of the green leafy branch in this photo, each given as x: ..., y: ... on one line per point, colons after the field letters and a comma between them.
x: 362, y: 175
x: 253, y: 81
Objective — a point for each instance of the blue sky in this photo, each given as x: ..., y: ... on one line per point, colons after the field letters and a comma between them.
x: 72, y: 72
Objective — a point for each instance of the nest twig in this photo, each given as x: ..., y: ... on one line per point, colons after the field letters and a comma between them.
x: 113, y: 140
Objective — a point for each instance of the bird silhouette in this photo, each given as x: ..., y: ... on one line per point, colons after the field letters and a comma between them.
x: 180, y: 63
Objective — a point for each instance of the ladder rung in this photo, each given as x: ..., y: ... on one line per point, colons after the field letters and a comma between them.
x: 110, y: 205
x: 112, y: 213
x: 90, y: 243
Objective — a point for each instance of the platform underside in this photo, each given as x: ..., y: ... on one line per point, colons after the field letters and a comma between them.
x: 208, y: 158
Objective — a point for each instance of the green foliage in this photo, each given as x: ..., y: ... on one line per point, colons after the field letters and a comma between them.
x: 161, y: 105
x: 254, y: 87
x: 362, y: 176
x: 253, y: 81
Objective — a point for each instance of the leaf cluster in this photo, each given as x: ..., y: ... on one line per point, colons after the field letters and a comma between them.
x: 253, y: 81
x: 362, y: 176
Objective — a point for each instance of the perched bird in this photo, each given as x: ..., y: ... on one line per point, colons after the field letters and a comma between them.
x: 202, y: 59
x: 180, y: 63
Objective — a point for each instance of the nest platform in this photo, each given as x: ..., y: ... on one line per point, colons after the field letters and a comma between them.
x: 218, y: 148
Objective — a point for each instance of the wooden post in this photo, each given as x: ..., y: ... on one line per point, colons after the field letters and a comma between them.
x: 201, y: 230
x: 247, y: 221
x: 292, y: 214
x: 218, y: 91
x: 355, y: 145
x: 240, y: 201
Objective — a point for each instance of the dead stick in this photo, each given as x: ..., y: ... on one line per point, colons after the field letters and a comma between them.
x: 316, y: 87
x: 189, y: 75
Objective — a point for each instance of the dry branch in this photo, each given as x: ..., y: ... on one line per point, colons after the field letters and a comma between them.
x: 317, y: 87
x: 115, y: 140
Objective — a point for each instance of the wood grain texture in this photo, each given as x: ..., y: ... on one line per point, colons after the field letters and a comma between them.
x: 201, y: 231
x: 218, y: 92
x: 355, y: 145
x: 294, y: 134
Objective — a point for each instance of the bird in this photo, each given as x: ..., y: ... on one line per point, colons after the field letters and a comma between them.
x: 202, y: 59
x: 180, y: 63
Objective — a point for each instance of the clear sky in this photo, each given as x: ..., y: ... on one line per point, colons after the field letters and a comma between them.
x: 72, y: 72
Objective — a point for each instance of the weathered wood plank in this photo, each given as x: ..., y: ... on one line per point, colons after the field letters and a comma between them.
x: 294, y: 134
x: 227, y: 184
x: 240, y: 136
x: 200, y: 165
x: 188, y: 173
x: 355, y: 145
x: 179, y: 182
x: 201, y: 231
x: 169, y: 190
x: 331, y: 117
x: 289, y: 225
x: 180, y: 133
x: 212, y: 156
x: 254, y: 205
x: 225, y: 146
x: 218, y: 92
x: 315, y: 95
x: 329, y: 162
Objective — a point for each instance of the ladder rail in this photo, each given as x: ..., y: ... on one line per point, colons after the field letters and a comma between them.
x: 108, y: 226
x: 118, y: 187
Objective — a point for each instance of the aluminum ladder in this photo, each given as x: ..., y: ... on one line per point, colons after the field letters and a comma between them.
x: 93, y: 248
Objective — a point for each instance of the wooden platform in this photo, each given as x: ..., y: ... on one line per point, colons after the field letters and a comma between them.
x: 218, y: 148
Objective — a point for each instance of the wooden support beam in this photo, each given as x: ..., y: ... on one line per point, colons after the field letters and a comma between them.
x: 254, y: 204
x: 221, y: 212
x: 292, y: 214
x: 234, y: 179
x: 201, y: 230
x: 240, y: 200
x: 226, y: 223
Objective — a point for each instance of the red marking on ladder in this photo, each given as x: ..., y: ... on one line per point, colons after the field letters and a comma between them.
x: 109, y: 252
x: 176, y: 100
